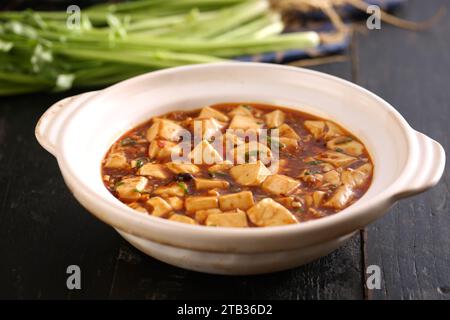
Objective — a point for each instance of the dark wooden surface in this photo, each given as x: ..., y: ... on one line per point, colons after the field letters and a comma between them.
x: 43, y: 229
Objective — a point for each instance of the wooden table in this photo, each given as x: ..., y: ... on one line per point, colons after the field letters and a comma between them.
x: 43, y: 229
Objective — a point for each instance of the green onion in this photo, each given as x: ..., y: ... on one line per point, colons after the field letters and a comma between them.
x: 139, y: 163
x: 39, y: 52
x: 118, y: 184
x: 183, y: 186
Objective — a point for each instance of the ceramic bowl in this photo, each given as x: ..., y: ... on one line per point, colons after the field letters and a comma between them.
x: 79, y: 130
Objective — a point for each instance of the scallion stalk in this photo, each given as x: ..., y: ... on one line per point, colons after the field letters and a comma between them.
x: 38, y: 51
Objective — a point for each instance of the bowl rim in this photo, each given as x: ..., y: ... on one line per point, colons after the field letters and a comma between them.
x: 127, y: 220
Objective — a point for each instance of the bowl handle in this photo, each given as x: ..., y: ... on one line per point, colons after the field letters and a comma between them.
x: 429, y: 168
x: 50, y: 123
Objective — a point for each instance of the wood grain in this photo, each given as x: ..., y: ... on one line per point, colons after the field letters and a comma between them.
x: 44, y: 230
x: 411, y: 243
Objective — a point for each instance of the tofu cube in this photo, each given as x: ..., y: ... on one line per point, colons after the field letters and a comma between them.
x: 162, y: 149
x: 176, y: 203
x: 182, y: 218
x: 153, y: 170
x: 290, y: 202
x: 170, y: 191
x: 164, y: 129
x: 242, y: 111
x: 337, y: 159
x: 129, y: 189
x: 333, y: 131
x: 117, y: 161
x: 332, y: 177
x: 340, y: 198
x: 275, y: 119
x: 242, y: 200
x: 136, y: 206
x: 201, y: 215
x: 357, y: 177
x: 204, y: 153
x: 288, y: 143
x: 347, y: 145
x: 251, y: 151
x: 197, y: 203
x: 229, y: 139
x: 205, y: 184
x: 287, y: 132
x: 268, y: 212
x: 209, y: 112
x: 250, y: 174
x: 221, y: 168
x: 244, y: 123
x: 279, y: 184
x: 317, y: 128
x: 178, y: 168
x: 317, y: 197
x: 228, y: 219
x: 160, y: 208
x: 207, y: 128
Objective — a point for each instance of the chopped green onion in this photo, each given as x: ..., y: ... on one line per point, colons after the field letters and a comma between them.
x: 118, y: 184
x: 183, y: 186
x: 139, y: 163
x: 40, y: 52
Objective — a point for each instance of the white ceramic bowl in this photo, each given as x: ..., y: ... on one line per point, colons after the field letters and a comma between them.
x: 79, y: 130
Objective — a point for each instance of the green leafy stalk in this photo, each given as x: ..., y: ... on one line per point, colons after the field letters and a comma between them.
x: 39, y: 51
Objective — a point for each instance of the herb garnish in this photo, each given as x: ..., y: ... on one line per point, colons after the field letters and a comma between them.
x: 118, y: 184
x: 183, y: 186
x: 140, y: 162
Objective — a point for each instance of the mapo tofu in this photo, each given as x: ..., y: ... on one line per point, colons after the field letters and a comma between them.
x: 238, y: 165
